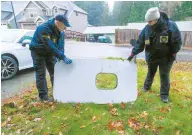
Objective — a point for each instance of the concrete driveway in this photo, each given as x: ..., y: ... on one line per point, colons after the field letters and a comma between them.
x: 75, y: 50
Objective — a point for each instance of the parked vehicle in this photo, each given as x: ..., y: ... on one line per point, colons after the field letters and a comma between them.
x: 104, y: 39
x: 15, y: 53
x: 91, y: 39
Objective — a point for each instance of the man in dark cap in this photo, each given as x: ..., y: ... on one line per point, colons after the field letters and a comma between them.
x: 46, y: 46
x: 161, y: 40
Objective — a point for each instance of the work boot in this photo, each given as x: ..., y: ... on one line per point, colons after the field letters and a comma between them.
x: 145, y: 90
x: 45, y: 99
x: 164, y: 100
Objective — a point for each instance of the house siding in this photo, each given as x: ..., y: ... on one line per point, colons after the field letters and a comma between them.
x: 31, y: 5
x: 31, y: 8
x: 78, y: 23
x: 61, y: 11
x: 30, y: 26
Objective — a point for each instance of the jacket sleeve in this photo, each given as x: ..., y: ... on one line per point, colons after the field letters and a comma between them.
x: 61, y: 42
x: 45, y: 37
x: 176, y: 40
x: 139, y: 46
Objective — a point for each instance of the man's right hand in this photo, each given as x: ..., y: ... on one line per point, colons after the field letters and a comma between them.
x: 67, y: 60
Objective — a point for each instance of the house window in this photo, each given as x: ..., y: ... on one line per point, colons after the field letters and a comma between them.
x: 76, y: 13
x: 49, y: 12
x: 55, y: 10
x: 65, y: 13
x: 31, y: 15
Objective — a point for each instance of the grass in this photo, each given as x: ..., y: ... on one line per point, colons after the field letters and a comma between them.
x: 105, y: 81
x: 146, y: 116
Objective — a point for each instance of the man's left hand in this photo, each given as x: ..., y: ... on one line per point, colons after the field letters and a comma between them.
x: 173, y: 57
x: 130, y: 57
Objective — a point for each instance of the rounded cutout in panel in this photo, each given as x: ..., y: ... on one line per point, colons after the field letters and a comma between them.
x: 106, y: 81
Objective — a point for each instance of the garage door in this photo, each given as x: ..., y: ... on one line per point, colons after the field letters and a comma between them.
x: 29, y: 26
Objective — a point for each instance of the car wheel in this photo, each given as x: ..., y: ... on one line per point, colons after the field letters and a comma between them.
x: 9, y: 67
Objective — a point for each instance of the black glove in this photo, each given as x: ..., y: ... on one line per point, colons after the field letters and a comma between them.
x: 173, y: 57
x: 130, y: 57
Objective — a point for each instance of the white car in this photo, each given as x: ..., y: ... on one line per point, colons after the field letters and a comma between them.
x: 15, y: 53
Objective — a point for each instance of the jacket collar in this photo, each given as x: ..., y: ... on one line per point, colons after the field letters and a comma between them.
x: 53, y: 27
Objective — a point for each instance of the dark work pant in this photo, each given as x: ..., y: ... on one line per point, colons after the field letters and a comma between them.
x: 40, y: 64
x: 164, y: 71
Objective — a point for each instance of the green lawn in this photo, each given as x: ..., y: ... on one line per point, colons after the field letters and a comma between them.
x: 146, y: 116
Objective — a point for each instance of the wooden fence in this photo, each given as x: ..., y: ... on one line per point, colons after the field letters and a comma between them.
x: 74, y: 35
x: 123, y: 37
x: 187, y: 38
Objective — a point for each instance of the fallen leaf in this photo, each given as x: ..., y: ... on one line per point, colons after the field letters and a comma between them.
x: 37, y: 104
x: 111, y: 126
x: 66, y: 118
x: 178, y: 132
x: 20, y: 107
x: 118, y: 125
x: 123, y: 105
x: 113, y: 112
x: 4, y: 124
x: 9, y: 119
x: 31, y: 130
x: 133, y: 123
x: 121, y: 132
x: 110, y: 105
x: 86, y: 109
x: 30, y: 118
x: 191, y: 110
x: 82, y: 126
x: 37, y: 119
x: 146, y: 127
x: 53, y: 107
x: 165, y: 109
x: 160, y: 127
x: 12, y: 104
x: 25, y: 103
x: 103, y: 114
x: 60, y: 133
x: 18, y: 131
x: 10, y: 125
x: 94, y: 118
x: 160, y: 118
x: 138, y: 94
x: 146, y: 100
x: 63, y: 125
x: 143, y: 115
